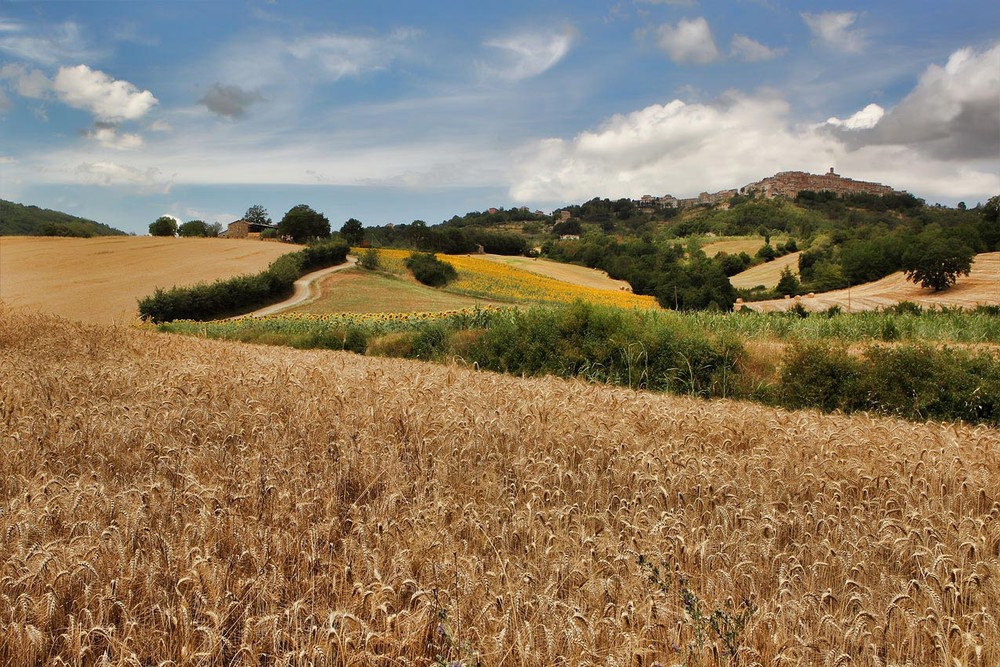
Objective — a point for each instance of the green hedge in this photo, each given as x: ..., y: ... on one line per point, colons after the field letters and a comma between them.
x: 240, y: 294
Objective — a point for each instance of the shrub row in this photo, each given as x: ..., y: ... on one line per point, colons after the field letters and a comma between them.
x: 914, y: 381
x: 230, y: 296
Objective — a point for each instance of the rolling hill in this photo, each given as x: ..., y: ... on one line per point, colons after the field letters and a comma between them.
x: 22, y: 220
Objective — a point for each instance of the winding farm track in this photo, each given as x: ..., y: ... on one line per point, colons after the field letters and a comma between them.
x: 304, y: 289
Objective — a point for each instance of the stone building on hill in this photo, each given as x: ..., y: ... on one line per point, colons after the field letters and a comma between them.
x: 783, y: 184
x: 791, y: 183
x: 242, y: 229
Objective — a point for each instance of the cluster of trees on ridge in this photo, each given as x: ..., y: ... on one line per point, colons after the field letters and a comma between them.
x: 20, y: 220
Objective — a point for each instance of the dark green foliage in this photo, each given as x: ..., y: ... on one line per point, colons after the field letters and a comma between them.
x: 430, y: 270
x: 302, y: 224
x: 921, y: 382
x: 163, y: 226
x: 936, y: 260
x: 236, y: 295
x: 66, y: 229
x: 21, y: 220
x: 194, y: 228
x: 819, y: 375
x: 788, y: 284
x: 631, y: 348
x: 353, y: 232
x: 766, y: 253
x: 258, y: 215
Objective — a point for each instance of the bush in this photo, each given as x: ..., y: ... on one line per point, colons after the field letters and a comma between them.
x: 818, y: 375
x: 430, y: 270
x: 370, y: 260
x: 235, y: 295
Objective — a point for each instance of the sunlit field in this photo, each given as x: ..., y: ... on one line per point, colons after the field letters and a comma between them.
x: 483, y: 278
x: 101, y: 279
x: 175, y: 500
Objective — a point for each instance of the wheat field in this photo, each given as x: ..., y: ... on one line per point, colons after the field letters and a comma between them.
x: 101, y: 279
x: 176, y: 501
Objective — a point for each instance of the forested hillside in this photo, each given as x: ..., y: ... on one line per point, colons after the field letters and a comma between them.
x: 20, y: 220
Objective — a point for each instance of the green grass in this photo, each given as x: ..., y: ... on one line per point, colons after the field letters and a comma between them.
x: 361, y: 291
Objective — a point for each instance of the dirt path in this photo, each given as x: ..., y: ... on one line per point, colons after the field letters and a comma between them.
x: 304, y: 289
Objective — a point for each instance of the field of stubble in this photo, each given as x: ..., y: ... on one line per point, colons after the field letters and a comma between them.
x: 170, y: 500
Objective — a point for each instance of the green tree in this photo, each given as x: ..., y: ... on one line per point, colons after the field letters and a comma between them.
x: 194, y: 228
x: 257, y: 214
x: 788, y: 283
x: 989, y: 225
x: 163, y: 226
x: 302, y: 224
x: 936, y: 260
x: 353, y: 232
x: 370, y: 260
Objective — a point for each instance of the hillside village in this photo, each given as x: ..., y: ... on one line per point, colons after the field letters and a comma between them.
x: 783, y: 184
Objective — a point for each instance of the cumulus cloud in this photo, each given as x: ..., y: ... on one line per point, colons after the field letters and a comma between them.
x: 109, y: 136
x: 340, y: 55
x: 688, y: 41
x: 952, y: 114
x: 5, y: 102
x: 684, y: 148
x: 834, y: 29
x: 677, y: 146
x: 108, y: 99
x: 865, y: 119
x: 528, y: 54
x: 229, y: 101
x: 751, y: 50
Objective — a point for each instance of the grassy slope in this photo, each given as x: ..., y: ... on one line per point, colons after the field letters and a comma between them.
x: 100, y: 279
x: 20, y: 220
x: 359, y: 291
x: 216, y: 498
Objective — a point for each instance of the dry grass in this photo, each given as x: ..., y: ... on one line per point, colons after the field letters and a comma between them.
x: 100, y: 279
x: 767, y: 274
x: 175, y: 499
x: 980, y: 287
x: 734, y: 245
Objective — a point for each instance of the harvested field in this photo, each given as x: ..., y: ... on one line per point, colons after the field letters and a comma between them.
x: 176, y: 499
x: 767, y: 274
x: 980, y: 287
x: 100, y: 279
x: 735, y: 245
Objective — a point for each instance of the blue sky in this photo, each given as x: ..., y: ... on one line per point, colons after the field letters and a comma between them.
x: 395, y: 111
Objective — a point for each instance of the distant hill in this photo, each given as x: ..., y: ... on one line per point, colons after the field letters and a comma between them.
x: 20, y: 220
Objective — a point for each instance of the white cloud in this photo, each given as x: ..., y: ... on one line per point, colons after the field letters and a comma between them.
x: 751, y: 50
x: 865, y: 119
x: 107, y: 135
x: 5, y: 102
x: 112, y: 173
x: 688, y: 41
x: 528, y: 54
x: 348, y: 55
x: 834, y: 28
x: 108, y: 99
x: 683, y: 149
x: 63, y: 42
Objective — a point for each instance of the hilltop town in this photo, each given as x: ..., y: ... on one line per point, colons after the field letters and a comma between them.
x: 784, y: 183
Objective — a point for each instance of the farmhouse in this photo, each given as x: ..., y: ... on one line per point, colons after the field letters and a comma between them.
x: 243, y: 229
